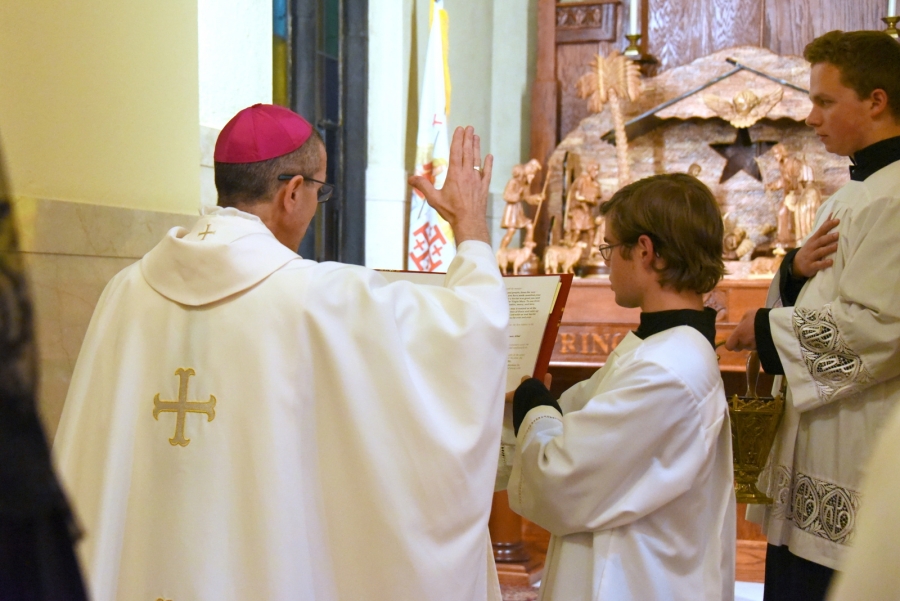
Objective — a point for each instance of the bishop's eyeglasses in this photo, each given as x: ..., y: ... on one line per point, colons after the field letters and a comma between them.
x: 323, y: 194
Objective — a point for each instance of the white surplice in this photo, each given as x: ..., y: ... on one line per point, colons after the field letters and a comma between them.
x: 635, y: 480
x: 840, y: 348
x: 352, y: 449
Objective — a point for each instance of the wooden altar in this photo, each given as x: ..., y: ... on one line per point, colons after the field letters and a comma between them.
x: 593, y: 324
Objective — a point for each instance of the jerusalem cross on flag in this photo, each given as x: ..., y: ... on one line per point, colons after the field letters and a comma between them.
x: 431, y: 243
x: 427, y: 243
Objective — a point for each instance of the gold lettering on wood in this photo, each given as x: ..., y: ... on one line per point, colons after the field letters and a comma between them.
x: 182, y: 407
x: 588, y: 342
x: 567, y: 344
x: 604, y: 344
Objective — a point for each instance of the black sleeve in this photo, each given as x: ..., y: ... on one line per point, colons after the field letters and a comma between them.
x: 530, y: 394
x: 765, y: 345
x: 789, y: 285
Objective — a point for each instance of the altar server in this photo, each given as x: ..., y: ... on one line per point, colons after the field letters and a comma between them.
x: 839, y: 344
x: 631, y: 472
x: 246, y: 424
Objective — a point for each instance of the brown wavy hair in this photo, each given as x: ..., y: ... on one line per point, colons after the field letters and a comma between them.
x: 682, y: 218
x: 867, y: 60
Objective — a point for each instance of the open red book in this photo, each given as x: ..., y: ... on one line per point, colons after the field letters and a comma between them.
x: 536, y: 304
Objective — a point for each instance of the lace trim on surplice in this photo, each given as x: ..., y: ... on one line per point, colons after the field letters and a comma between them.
x: 834, y: 366
x: 815, y: 506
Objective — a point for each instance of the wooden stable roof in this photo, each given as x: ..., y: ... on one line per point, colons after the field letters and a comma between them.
x: 676, y: 94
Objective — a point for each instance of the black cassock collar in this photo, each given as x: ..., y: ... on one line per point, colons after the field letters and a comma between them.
x: 874, y: 158
x: 658, y: 321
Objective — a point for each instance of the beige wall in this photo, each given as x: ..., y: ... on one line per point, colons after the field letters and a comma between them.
x: 98, y: 102
x: 99, y: 125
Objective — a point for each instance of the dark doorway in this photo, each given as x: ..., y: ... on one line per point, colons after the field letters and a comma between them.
x: 327, y: 72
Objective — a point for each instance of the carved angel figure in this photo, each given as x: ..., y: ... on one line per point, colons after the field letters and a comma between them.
x: 746, y: 108
x: 610, y: 79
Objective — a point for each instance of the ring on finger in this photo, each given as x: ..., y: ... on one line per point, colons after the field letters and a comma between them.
x: 477, y: 168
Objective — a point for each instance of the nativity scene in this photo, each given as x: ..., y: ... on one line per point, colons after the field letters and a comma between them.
x: 736, y: 118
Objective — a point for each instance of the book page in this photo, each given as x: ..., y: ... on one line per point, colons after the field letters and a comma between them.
x: 531, y: 299
x: 530, y: 303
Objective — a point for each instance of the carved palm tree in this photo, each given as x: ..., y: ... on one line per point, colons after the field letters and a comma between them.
x: 612, y: 78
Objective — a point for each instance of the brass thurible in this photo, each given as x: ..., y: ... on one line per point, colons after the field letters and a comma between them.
x: 754, y: 423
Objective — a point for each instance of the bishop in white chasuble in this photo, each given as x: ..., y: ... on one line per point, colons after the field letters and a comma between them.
x: 243, y: 423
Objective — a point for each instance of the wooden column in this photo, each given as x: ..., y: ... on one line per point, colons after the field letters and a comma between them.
x: 544, y: 104
x: 516, y: 565
x: 506, y: 531
x: 544, y: 93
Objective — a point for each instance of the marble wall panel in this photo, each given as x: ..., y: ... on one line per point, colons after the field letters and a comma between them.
x: 71, y: 251
x: 73, y: 228
x: 64, y: 292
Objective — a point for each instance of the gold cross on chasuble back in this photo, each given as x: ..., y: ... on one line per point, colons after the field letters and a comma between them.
x: 182, y: 407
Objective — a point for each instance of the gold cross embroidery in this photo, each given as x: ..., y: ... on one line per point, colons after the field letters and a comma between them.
x: 206, y: 233
x: 182, y: 407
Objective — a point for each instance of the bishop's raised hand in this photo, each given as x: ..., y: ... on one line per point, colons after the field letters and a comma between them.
x: 463, y: 199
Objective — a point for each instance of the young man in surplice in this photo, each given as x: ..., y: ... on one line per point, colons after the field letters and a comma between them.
x: 631, y: 472
x: 835, y: 336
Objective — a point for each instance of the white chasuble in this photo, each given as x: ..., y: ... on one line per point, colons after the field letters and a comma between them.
x: 245, y: 424
x: 635, y: 479
x: 840, y: 348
